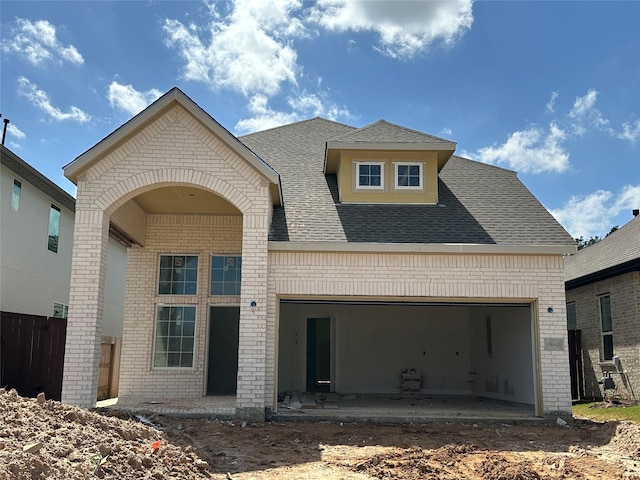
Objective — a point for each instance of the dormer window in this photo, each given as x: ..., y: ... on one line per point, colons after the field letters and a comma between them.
x: 370, y: 175
x: 408, y: 176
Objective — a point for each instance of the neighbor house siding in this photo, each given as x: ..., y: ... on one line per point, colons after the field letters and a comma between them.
x: 624, y: 291
x: 502, y: 278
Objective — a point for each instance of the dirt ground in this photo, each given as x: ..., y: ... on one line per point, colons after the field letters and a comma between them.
x: 44, y: 439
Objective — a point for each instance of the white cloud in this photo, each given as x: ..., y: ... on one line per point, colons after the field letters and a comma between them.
x: 303, y: 106
x: 630, y: 132
x: 15, y: 132
x: 249, y: 51
x: 446, y: 131
x: 530, y: 151
x: 37, y: 42
x: 552, y: 102
x: 406, y: 28
x: 40, y: 99
x: 590, y: 215
x: 125, y: 97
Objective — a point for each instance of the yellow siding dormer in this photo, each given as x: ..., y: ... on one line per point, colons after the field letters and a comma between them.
x: 386, y: 163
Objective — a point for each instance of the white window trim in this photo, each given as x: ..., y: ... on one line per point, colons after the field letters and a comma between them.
x: 369, y: 187
x: 178, y: 295
x: 155, y: 332
x: 13, y: 203
x: 395, y: 176
x: 211, y: 255
x: 65, y: 310
x: 607, y: 333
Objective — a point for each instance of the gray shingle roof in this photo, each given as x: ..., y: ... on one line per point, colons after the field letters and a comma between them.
x: 385, y: 132
x: 479, y: 203
x: 620, y: 247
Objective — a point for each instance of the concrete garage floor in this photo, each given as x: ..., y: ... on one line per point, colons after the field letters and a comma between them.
x: 403, y: 409
x: 346, y: 408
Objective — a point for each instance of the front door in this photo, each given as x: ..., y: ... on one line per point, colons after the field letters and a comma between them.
x: 318, y: 354
x: 224, y: 328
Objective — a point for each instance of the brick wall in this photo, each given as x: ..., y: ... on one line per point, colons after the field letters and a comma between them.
x: 625, y: 317
x: 171, y: 234
x: 174, y: 149
x: 497, y: 278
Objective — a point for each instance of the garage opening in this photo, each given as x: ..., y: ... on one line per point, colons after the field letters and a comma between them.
x: 335, y: 351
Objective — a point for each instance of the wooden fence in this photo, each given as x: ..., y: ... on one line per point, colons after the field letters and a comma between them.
x: 32, y: 356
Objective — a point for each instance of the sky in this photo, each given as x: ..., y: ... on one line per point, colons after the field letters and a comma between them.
x: 549, y: 89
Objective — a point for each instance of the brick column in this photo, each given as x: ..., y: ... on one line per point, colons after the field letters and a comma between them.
x: 250, y: 401
x: 86, y: 302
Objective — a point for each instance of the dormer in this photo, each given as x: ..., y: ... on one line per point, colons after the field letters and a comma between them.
x: 387, y: 163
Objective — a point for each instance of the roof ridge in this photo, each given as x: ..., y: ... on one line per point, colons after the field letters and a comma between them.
x: 489, y: 165
x: 382, y: 121
x: 294, y: 123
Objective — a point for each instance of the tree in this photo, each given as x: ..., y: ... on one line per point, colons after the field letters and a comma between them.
x: 582, y: 243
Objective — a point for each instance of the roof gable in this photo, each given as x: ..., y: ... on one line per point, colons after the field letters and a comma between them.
x: 383, y: 135
x: 174, y: 96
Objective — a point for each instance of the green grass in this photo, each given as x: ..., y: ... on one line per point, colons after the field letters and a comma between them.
x: 583, y: 410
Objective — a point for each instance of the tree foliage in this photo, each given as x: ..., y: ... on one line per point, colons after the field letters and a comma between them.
x: 583, y: 243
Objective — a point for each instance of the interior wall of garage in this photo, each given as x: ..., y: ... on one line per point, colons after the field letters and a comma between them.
x: 505, y: 373
x: 447, y: 344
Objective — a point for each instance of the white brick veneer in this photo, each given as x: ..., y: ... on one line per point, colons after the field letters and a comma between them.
x: 529, y: 278
x: 175, y: 149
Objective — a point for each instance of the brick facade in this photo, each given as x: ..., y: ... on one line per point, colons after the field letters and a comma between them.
x: 437, y: 277
x: 624, y: 291
x: 177, y: 149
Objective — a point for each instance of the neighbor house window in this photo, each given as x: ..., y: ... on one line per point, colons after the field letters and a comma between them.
x: 60, y: 310
x: 571, y: 316
x: 607, y: 327
x: 54, y: 228
x: 408, y: 175
x: 225, y: 275
x: 175, y: 328
x: 370, y: 175
x: 15, y: 195
x: 178, y: 275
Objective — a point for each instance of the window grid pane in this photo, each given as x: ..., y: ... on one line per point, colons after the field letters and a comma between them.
x: 178, y: 275
x: 175, y: 326
x: 408, y: 176
x: 226, y: 275
x: 15, y: 195
x: 571, y: 316
x: 607, y: 327
x: 54, y: 228
x: 369, y: 175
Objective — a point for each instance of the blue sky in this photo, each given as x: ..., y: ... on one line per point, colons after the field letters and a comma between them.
x: 548, y: 89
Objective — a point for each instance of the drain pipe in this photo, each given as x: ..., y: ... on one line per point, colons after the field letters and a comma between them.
x: 4, y: 128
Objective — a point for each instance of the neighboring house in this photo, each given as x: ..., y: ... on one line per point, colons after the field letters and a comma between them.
x: 36, y: 241
x: 316, y: 257
x: 603, y: 302
x: 36, y: 238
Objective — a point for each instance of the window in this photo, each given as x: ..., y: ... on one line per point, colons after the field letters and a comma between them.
x: 571, y: 316
x: 370, y: 175
x: 607, y: 327
x: 175, y: 327
x: 408, y: 175
x: 54, y: 228
x: 15, y: 195
x: 225, y: 275
x: 178, y: 275
x: 60, y: 310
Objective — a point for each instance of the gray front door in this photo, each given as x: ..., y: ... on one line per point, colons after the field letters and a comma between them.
x: 224, y: 327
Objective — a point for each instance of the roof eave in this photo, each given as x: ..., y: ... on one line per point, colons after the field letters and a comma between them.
x: 460, y: 248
